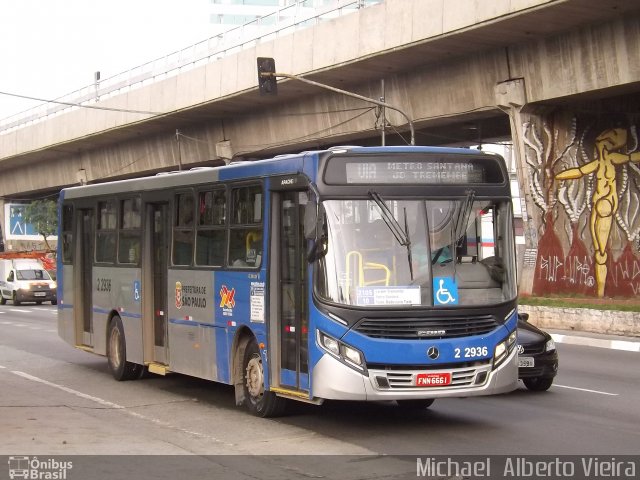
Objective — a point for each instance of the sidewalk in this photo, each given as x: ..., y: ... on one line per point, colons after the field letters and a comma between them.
x: 579, y: 321
x: 590, y: 339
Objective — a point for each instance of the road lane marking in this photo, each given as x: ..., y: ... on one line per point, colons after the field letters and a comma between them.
x: 124, y: 409
x: 19, y: 310
x: 586, y: 390
x: 99, y: 400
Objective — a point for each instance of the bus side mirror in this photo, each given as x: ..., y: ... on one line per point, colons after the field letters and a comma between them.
x: 316, y: 234
x: 311, y: 220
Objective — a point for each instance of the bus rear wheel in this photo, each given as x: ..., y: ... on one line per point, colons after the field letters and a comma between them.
x: 259, y: 402
x: 421, y: 404
x: 117, y: 353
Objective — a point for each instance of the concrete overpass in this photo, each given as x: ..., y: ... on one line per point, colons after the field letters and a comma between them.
x: 545, y: 73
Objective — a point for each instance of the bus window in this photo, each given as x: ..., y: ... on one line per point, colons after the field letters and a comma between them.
x: 183, y: 229
x: 211, y: 237
x: 106, y: 235
x: 67, y: 234
x: 129, y: 233
x: 245, y: 236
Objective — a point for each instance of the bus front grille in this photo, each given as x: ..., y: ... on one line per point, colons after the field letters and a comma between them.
x: 426, y: 328
x: 406, y: 379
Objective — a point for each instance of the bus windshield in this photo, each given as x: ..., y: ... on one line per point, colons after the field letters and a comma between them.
x: 385, y: 252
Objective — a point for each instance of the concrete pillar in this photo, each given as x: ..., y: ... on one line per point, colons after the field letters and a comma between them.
x: 3, y: 240
x: 511, y: 98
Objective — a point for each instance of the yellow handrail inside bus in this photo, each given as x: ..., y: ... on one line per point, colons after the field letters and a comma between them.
x: 363, y: 267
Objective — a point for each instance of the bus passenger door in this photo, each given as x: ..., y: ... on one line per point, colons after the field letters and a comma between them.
x: 83, y: 279
x: 155, y: 264
x: 289, y: 296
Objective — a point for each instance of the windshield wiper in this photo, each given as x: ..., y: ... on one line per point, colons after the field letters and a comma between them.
x: 400, y: 234
x: 460, y: 227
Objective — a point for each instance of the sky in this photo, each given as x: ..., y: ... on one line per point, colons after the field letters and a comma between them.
x: 49, y: 48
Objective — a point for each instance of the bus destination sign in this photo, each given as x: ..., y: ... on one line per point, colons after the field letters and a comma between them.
x: 435, y: 171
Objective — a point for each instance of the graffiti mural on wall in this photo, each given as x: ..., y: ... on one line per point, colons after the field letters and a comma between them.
x: 585, y: 179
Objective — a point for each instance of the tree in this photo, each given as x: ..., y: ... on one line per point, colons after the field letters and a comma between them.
x: 43, y: 215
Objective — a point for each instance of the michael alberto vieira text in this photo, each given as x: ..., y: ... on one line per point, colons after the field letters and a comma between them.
x: 525, y: 467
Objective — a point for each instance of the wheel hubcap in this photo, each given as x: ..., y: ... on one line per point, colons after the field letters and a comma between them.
x: 255, y: 383
x: 114, y: 347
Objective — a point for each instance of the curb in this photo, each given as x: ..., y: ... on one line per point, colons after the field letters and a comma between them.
x: 626, y: 345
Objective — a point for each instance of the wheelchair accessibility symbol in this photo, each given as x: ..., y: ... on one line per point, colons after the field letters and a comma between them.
x: 445, y: 291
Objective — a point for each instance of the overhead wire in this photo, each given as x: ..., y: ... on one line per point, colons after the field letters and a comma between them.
x: 81, y: 105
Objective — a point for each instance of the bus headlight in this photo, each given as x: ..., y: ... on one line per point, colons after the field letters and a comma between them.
x: 504, y: 348
x: 345, y: 353
x: 330, y: 344
x: 352, y: 355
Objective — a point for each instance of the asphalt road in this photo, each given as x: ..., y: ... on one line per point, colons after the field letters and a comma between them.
x: 58, y: 400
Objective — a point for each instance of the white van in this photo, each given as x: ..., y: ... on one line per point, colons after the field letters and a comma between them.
x: 26, y: 280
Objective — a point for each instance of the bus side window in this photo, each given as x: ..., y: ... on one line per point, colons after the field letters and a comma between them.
x: 129, y: 233
x: 183, y: 229
x: 67, y: 233
x: 245, y: 236
x: 211, y: 236
x: 106, y: 234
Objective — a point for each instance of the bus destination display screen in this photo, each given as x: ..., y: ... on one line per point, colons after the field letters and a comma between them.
x: 439, y: 171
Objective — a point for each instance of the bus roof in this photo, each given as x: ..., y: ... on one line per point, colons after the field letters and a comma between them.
x: 282, y: 164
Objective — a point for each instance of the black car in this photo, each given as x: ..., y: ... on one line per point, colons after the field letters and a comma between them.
x: 537, y: 356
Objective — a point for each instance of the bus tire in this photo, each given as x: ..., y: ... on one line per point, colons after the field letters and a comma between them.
x: 3, y: 301
x: 117, y: 353
x: 421, y: 404
x: 260, y: 403
x: 16, y: 302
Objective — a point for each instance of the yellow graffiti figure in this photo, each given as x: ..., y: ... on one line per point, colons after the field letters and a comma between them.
x: 605, y: 196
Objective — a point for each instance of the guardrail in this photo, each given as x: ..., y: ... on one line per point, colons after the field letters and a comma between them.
x: 283, y: 21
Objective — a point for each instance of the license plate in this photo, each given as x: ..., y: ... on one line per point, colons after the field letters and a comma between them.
x: 526, y: 362
x: 432, y: 379
x: 40, y: 294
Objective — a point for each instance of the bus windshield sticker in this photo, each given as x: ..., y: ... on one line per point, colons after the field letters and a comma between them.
x: 256, y: 302
x: 409, y: 295
x: 445, y: 291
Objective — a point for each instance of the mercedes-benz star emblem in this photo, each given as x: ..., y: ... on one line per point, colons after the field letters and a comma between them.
x: 433, y: 353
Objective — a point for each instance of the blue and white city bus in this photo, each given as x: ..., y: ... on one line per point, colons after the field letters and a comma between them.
x: 351, y: 273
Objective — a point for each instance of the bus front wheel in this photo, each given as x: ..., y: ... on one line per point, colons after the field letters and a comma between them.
x: 260, y: 402
x: 117, y: 353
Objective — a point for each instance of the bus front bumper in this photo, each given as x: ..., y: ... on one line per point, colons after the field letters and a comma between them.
x: 333, y: 380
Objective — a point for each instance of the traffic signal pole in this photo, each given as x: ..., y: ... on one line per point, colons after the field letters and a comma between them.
x: 265, y: 74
